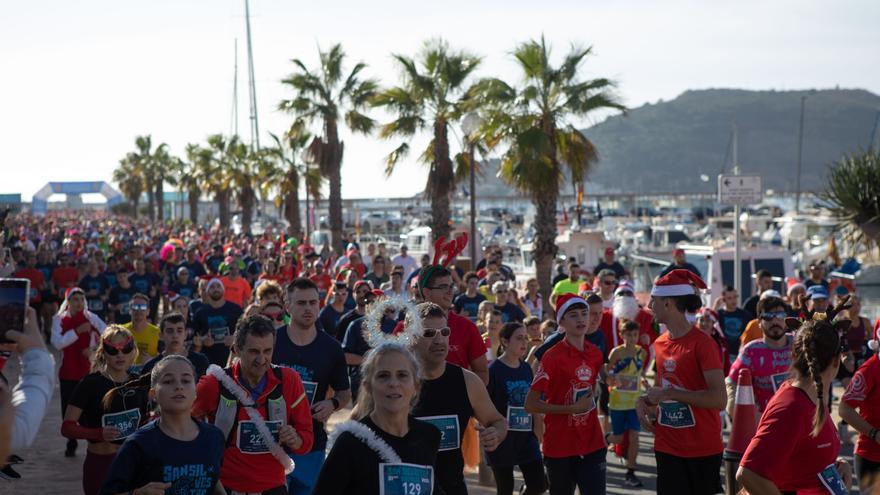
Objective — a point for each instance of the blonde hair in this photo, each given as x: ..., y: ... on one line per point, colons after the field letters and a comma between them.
x: 99, y: 361
x: 369, y: 367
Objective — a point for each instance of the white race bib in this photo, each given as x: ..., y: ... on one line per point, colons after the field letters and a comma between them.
x: 250, y: 441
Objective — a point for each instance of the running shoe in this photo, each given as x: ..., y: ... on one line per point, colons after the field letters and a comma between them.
x: 9, y: 474
x: 631, y: 480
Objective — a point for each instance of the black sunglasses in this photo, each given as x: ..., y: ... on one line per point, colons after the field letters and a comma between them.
x: 114, y: 349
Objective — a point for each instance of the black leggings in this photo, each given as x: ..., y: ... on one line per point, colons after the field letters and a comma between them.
x: 67, y: 388
x: 868, y: 473
x: 586, y: 472
x: 533, y: 474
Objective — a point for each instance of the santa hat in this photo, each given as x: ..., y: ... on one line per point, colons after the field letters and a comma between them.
x: 624, y: 286
x: 215, y: 281
x: 566, y: 301
x: 874, y: 344
x: 73, y: 290
x: 679, y: 282
x: 709, y: 313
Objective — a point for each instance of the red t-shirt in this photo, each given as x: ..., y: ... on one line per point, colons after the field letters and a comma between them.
x: 564, y: 370
x: 37, y: 280
x: 465, y: 341
x: 783, y: 450
x: 684, y: 430
x: 65, y: 277
x: 237, y: 291
x: 74, y: 365
x: 863, y: 393
x: 610, y: 328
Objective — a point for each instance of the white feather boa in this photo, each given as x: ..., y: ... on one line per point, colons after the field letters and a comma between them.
x: 363, y: 433
x: 247, y: 403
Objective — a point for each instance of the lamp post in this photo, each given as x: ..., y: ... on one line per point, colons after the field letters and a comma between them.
x: 797, y: 197
x: 470, y: 125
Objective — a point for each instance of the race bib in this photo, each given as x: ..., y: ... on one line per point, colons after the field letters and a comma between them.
x: 518, y: 419
x: 126, y: 422
x: 123, y: 308
x: 405, y: 479
x: 311, y: 388
x: 250, y: 441
x: 580, y: 392
x: 675, y: 415
x: 96, y: 305
x: 832, y: 481
x: 627, y: 383
x: 135, y: 369
x: 219, y: 333
x: 779, y: 379
x: 449, y: 430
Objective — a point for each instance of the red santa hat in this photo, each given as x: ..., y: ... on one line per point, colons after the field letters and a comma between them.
x: 566, y: 301
x: 624, y: 286
x: 679, y: 282
x: 874, y: 344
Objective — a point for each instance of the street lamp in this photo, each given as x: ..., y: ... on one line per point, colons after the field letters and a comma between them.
x: 470, y: 125
x: 797, y: 197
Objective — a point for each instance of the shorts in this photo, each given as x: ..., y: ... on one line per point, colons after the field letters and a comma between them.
x: 688, y: 475
x: 302, y: 480
x: 624, y: 420
x: 604, y: 395
x: 868, y: 473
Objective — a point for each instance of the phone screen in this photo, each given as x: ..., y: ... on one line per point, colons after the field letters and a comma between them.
x: 13, y: 302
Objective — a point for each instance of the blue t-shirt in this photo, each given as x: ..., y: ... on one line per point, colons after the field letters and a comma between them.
x: 120, y: 297
x: 112, y: 281
x: 149, y: 455
x: 320, y: 364
x: 329, y: 317
x: 218, y: 322
x: 511, y: 312
x: 195, y: 269
x: 468, y: 306
x: 187, y: 290
x: 99, y: 284
x: 508, y: 388
x: 141, y: 283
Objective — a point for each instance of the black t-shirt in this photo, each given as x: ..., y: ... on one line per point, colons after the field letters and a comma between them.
x: 467, y: 306
x: 751, y: 306
x: 195, y: 269
x: 320, y: 364
x: 508, y: 387
x: 141, y: 283
x: 149, y: 455
x: 120, y: 297
x: 596, y: 338
x: 511, y: 312
x: 353, y: 467
x: 89, y: 395
x: 99, y: 284
x: 343, y: 323
x: 355, y: 343
x: 188, y: 289
x: 733, y: 324
x: 329, y: 317
x: 219, y: 322
x: 199, y: 361
x: 616, y: 267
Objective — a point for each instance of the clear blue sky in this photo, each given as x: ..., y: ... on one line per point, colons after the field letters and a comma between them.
x: 81, y: 79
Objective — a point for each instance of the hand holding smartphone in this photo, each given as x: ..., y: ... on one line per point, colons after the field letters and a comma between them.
x: 14, y: 294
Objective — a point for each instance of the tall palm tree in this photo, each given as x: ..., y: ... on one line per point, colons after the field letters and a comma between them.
x: 533, y: 119
x: 142, y: 158
x: 217, y: 178
x: 161, y: 165
x: 431, y: 96
x: 190, y: 175
x: 130, y: 181
x: 853, y: 191
x: 242, y: 177
x: 327, y: 95
x: 290, y: 172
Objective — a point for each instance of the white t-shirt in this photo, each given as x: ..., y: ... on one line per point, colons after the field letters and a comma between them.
x: 408, y: 263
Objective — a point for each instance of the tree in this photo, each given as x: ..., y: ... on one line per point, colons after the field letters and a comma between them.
x: 161, y: 167
x: 218, y: 177
x: 142, y: 159
x: 533, y: 120
x: 327, y: 96
x: 130, y: 181
x: 289, y: 172
x: 191, y: 174
x: 853, y: 192
x: 431, y: 96
x: 242, y: 176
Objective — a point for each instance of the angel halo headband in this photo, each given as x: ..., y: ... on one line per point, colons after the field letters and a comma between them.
x: 373, y: 322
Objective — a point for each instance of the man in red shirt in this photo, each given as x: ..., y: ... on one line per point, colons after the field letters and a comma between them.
x: 65, y: 276
x: 323, y: 281
x: 237, y: 289
x: 277, y: 394
x: 574, y: 449
x: 626, y: 307
x: 860, y: 408
x: 688, y: 395
x: 31, y: 273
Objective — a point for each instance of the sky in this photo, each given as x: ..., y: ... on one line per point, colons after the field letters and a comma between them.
x: 79, y: 80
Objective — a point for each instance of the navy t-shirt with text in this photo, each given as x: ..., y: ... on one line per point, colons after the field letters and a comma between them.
x: 320, y: 364
x: 217, y: 322
x: 468, y: 306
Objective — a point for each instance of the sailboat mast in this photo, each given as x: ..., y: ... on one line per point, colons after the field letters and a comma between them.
x: 255, y: 126
x: 233, y: 126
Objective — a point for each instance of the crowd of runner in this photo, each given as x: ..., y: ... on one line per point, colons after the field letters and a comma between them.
x: 197, y: 361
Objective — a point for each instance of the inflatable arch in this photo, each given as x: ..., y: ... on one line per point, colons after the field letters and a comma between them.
x: 40, y: 203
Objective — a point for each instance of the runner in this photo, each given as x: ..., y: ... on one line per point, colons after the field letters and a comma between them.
x: 95, y: 285
x: 492, y: 334
x: 510, y: 312
x: 213, y: 321
x: 509, y: 380
x: 355, y: 345
x: 627, y: 365
x: 120, y: 298
x: 796, y: 446
x: 363, y: 295
x: 689, y: 389
x: 384, y: 450
x: 466, y: 303
x: 533, y: 300
x: 146, y: 335
x: 450, y: 397
x: 333, y: 309
x: 236, y: 289
x: 626, y: 307
x: 175, y: 453
x: 320, y: 362
x: 74, y: 329
x: 768, y: 359
x: 249, y: 401
x: 564, y: 391
x: 860, y: 408
x: 88, y: 418
x: 173, y: 335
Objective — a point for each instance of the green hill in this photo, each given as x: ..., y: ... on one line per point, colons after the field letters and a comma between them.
x: 666, y: 146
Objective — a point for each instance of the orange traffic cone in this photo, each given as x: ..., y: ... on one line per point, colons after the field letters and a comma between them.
x: 742, y: 430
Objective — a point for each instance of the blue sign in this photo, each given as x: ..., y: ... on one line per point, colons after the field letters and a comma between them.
x: 250, y: 441
x: 518, y: 419
x: 449, y: 430
x: 405, y: 479
x: 676, y: 415
x: 127, y: 422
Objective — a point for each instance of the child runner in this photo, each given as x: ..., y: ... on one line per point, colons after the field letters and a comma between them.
x: 173, y: 327
x: 626, y: 371
x: 86, y: 416
x: 860, y: 407
x: 175, y: 453
x: 383, y: 449
x: 509, y: 380
x: 564, y: 391
x: 795, y: 449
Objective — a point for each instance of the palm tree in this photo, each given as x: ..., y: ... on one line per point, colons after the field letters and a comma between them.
x: 853, y: 191
x: 142, y: 159
x: 190, y: 175
x: 128, y: 176
x: 217, y: 178
x: 431, y: 96
x: 327, y: 96
x: 242, y: 178
x: 289, y: 172
x: 161, y: 165
x: 533, y: 120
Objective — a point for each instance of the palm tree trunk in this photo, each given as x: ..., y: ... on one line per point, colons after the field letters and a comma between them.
x: 335, y: 168
x: 545, y: 239
x: 151, y: 204
x: 441, y: 182
x: 291, y: 204
x: 247, y: 209
x: 222, y: 199
x: 193, y: 206
x: 160, y: 200
x: 135, y: 204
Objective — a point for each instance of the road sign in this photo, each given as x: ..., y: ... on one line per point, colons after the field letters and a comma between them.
x: 742, y: 190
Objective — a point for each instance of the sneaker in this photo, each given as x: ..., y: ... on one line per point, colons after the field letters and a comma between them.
x: 631, y: 480
x: 9, y: 474
x: 68, y: 452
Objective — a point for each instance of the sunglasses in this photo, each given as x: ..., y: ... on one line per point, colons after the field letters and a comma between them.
x: 112, y: 349
x: 138, y: 307
x: 279, y: 316
x: 773, y: 315
x: 430, y: 333
x: 609, y: 282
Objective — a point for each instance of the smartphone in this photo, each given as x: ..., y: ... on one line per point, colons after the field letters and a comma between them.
x: 14, y: 294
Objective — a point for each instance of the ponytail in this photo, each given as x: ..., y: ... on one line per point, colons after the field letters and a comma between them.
x: 816, y: 346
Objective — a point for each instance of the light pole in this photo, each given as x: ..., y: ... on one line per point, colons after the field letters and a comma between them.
x: 797, y: 197
x: 470, y: 125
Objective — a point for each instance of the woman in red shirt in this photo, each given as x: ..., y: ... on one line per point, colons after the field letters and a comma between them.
x: 860, y: 407
x: 796, y: 446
